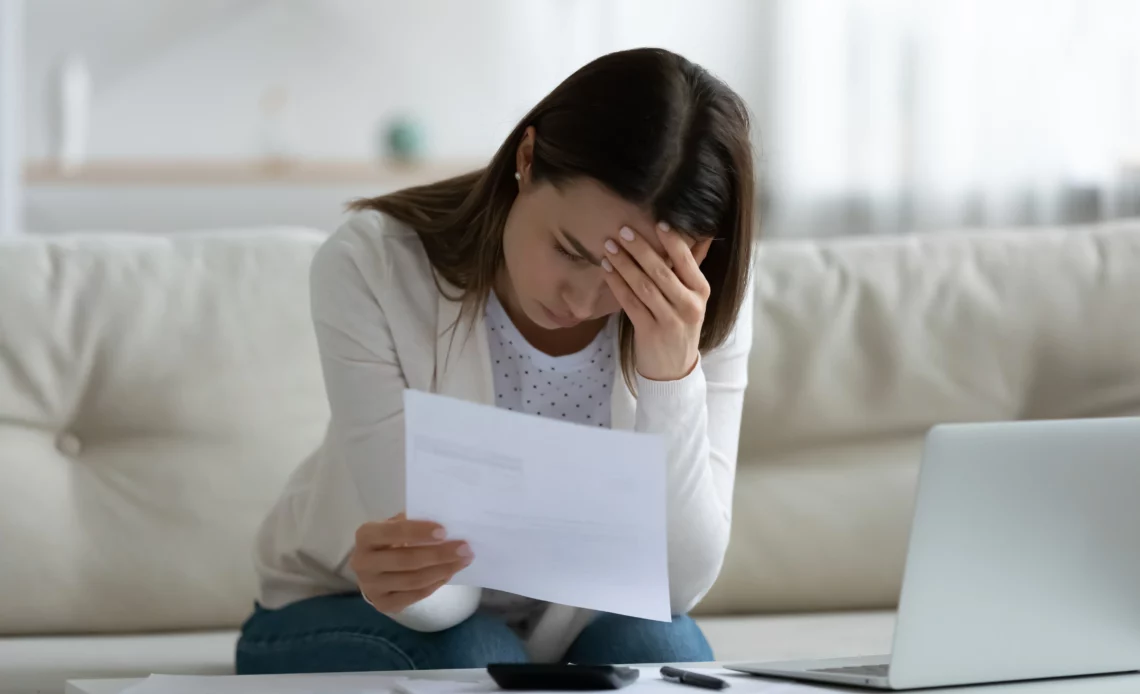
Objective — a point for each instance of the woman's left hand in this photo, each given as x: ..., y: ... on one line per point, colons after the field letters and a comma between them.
x: 665, y: 300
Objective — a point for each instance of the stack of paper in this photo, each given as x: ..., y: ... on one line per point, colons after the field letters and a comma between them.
x: 332, y: 683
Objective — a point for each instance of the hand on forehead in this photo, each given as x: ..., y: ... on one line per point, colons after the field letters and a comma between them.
x: 592, y: 214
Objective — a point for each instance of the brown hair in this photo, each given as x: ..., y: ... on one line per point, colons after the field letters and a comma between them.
x: 658, y: 130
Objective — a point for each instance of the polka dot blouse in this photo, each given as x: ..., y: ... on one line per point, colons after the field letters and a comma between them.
x: 571, y: 388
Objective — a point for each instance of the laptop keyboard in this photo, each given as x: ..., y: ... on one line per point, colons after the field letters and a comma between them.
x: 866, y: 670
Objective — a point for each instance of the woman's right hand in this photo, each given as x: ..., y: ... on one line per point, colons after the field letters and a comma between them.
x: 399, y: 562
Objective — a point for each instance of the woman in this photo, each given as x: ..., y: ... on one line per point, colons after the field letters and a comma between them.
x: 600, y: 259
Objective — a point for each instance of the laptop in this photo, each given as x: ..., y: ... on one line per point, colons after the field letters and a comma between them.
x: 1023, y: 560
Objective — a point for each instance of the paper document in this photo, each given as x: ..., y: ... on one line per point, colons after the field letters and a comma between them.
x: 552, y: 511
x: 331, y: 683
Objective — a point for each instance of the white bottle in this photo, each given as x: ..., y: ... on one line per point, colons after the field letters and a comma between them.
x: 275, y: 140
x: 72, y: 114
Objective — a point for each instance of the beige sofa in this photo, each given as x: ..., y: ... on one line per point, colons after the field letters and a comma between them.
x: 155, y: 392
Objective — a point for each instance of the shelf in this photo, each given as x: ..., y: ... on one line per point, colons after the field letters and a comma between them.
x: 231, y: 173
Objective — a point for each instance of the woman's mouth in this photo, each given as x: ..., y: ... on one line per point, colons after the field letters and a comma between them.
x: 561, y: 320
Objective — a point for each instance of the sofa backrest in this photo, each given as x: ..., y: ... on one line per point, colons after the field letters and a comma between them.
x: 862, y: 344
x: 155, y: 393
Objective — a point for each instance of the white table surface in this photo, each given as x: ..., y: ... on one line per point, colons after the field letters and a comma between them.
x: 1109, y: 684
x: 98, y: 686
x: 117, y: 686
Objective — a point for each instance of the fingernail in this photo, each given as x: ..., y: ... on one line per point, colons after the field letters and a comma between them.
x: 606, y: 265
x: 439, y: 534
x: 611, y: 246
x: 663, y: 226
x: 464, y: 551
x: 627, y: 233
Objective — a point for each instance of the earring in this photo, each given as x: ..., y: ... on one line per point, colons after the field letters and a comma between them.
x: 518, y: 176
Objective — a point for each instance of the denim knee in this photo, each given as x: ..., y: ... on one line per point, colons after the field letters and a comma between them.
x: 343, y: 633
x: 615, y: 639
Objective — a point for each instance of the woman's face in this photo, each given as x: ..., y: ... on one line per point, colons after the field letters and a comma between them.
x: 552, y: 243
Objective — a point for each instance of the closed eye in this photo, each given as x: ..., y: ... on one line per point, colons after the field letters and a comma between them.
x: 573, y: 257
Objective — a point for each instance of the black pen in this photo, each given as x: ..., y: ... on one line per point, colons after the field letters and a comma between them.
x: 693, y: 679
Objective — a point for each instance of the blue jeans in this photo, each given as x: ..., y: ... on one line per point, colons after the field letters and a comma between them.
x: 342, y: 633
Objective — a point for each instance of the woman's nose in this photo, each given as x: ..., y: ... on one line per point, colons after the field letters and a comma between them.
x: 582, y: 297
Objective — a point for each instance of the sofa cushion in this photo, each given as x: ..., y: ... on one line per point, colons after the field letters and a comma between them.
x: 883, y: 337
x: 770, y: 638
x: 819, y: 529
x: 155, y: 393
x: 44, y: 664
x: 862, y: 344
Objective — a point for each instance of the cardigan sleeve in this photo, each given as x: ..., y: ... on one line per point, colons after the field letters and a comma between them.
x: 699, y: 416
x: 361, y: 464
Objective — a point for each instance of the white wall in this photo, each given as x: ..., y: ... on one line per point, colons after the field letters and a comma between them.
x: 183, y: 78
x: 11, y: 84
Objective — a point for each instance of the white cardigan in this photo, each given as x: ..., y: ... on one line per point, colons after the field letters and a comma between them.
x: 382, y: 325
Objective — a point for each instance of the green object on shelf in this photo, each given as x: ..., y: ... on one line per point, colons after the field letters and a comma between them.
x: 403, y: 139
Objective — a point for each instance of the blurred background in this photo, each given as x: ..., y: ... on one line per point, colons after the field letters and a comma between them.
x: 871, y: 116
